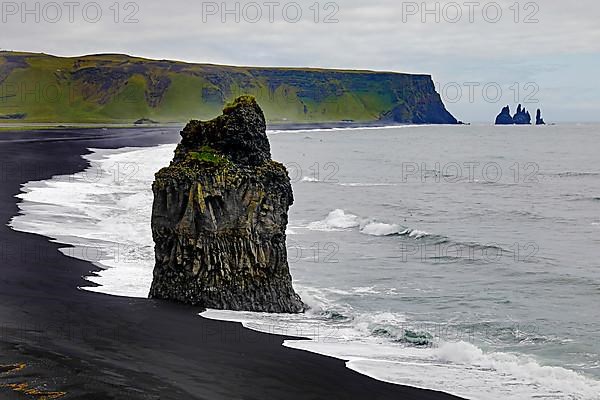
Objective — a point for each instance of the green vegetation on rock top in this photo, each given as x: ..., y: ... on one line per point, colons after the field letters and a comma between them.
x: 208, y: 155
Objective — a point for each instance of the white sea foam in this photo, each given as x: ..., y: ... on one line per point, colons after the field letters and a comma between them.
x: 364, y: 184
x: 381, y: 229
x: 459, y: 368
x: 336, y: 220
x: 476, y: 374
x: 309, y: 179
x: 105, y: 211
x: 365, y: 290
x: 312, y: 179
x: 415, y: 233
x: 343, y: 129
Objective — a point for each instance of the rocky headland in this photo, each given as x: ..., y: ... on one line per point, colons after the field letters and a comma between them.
x: 219, y: 217
x: 117, y: 88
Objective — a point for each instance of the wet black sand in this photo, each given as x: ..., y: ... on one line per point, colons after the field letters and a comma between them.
x: 55, y: 338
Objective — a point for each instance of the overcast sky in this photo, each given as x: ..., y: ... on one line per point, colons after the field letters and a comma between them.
x: 482, y: 55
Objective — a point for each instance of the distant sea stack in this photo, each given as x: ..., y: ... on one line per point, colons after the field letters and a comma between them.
x: 504, y: 118
x: 521, y: 117
x: 538, y: 118
x: 219, y: 218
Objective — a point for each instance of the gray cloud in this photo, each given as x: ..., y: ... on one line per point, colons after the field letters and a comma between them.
x: 375, y: 35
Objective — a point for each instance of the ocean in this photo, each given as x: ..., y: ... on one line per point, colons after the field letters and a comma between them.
x: 456, y: 258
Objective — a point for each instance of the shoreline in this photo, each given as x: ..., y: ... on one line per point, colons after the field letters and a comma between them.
x: 91, y: 344
x: 291, y: 126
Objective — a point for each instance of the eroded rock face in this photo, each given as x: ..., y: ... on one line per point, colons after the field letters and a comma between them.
x: 219, y: 218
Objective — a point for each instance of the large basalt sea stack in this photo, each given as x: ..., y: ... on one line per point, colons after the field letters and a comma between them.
x: 219, y: 217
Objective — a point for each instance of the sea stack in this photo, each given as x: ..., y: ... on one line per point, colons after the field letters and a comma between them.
x: 538, y: 118
x: 219, y: 218
x: 522, y: 117
x: 504, y: 118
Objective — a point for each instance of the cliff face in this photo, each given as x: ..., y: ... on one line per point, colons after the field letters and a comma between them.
x: 418, y: 103
x: 123, y: 89
x: 219, y: 218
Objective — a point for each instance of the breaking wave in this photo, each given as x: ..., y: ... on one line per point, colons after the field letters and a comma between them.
x: 389, y: 347
x: 339, y: 220
x: 335, y: 221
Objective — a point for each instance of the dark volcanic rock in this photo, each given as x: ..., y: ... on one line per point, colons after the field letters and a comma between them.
x: 538, y: 118
x: 504, y: 117
x: 145, y: 121
x: 419, y: 104
x: 219, y: 218
x: 239, y: 134
x: 9, y: 63
x: 157, y: 88
x: 522, y: 117
x: 14, y: 116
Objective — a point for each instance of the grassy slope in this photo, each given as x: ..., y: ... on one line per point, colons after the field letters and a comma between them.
x: 122, y: 89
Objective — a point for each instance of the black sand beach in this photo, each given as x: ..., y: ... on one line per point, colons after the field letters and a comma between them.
x: 56, y: 338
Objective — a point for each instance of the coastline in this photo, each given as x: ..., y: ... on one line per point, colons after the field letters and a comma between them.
x: 291, y: 126
x: 88, y: 344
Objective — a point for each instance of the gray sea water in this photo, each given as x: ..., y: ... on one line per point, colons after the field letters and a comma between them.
x: 463, y: 259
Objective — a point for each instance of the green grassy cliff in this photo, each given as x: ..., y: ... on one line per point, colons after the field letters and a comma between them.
x: 113, y: 88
